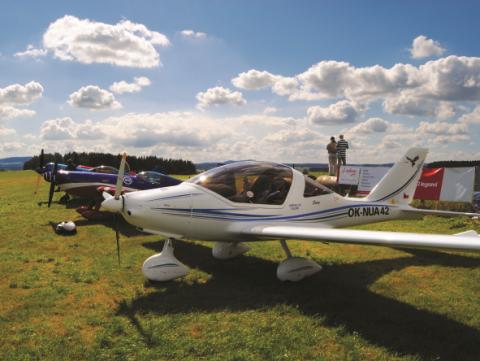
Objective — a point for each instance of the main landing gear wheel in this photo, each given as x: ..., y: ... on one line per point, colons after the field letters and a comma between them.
x: 164, y: 266
x: 295, y: 268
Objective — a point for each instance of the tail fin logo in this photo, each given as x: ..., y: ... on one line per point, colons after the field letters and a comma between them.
x: 413, y: 161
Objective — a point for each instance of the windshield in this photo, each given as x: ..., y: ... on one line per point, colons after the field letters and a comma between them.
x: 248, y: 182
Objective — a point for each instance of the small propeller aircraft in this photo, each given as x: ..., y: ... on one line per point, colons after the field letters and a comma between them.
x: 90, y: 185
x: 259, y: 201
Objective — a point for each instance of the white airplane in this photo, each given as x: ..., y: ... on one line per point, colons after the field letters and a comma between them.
x: 259, y: 201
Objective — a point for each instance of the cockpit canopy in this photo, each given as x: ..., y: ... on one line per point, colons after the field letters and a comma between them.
x: 248, y: 182
x: 105, y: 169
x: 150, y: 177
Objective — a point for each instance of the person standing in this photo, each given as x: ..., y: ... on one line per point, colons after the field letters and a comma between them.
x: 342, y: 146
x: 332, y: 156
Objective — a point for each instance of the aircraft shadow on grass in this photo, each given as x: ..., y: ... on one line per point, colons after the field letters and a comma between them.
x: 339, y: 295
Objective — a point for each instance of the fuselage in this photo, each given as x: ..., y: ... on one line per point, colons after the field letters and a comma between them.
x: 192, y: 211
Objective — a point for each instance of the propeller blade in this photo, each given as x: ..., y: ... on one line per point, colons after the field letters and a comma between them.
x: 52, y: 184
x: 41, y: 160
x: 118, y: 194
x: 121, y: 172
x: 117, y: 236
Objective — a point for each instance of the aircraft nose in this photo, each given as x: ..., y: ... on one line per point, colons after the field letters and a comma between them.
x: 113, y: 205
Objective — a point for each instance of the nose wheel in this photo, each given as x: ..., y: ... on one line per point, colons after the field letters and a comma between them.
x: 295, y: 268
x: 164, y: 266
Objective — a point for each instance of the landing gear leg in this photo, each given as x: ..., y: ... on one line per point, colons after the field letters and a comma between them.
x: 295, y: 268
x: 164, y: 266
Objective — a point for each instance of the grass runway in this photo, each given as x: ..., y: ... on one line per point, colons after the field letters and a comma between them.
x: 66, y: 298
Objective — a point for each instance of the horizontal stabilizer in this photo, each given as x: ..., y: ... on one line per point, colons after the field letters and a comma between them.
x: 470, y: 233
x: 434, y: 212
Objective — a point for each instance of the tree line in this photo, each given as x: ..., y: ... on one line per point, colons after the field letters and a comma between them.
x: 454, y: 163
x: 158, y: 164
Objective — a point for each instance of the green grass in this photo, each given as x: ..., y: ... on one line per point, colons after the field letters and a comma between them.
x: 66, y: 298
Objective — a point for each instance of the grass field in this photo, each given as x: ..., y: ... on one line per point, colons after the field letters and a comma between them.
x: 65, y: 298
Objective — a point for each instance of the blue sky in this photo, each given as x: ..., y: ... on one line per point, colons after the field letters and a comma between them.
x: 215, y: 80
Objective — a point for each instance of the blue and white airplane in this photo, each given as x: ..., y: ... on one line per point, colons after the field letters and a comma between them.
x: 258, y: 201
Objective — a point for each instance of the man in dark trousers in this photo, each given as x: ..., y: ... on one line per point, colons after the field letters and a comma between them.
x: 342, y: 146
x: 332, y: 156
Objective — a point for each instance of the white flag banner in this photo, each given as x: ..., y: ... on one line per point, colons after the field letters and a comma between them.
x: 349, y: 174
x: 457, y: 185
x: 369, y: 177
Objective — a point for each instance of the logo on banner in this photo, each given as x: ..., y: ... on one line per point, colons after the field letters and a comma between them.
x: 430, y: 184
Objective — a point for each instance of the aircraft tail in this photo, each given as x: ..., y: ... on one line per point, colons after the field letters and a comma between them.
x: 400, y: 182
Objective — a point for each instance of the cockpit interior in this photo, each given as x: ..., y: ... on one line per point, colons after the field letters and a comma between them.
x: 255, y: 182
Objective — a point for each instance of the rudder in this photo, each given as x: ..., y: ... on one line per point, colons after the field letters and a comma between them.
x: 400, y: 182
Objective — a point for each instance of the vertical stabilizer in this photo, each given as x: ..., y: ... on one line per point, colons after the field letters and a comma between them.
x: 400, y: 182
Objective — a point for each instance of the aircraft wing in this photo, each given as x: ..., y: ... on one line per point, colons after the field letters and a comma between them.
x: 469, y: 240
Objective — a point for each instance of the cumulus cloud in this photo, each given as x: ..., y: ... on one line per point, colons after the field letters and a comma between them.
x: 8, y: 112
x: 263, y: 120
x: 67, y: 128
x: 94, y: 98
x: 219, y: 96
x: 442, y: 128
x: 431, y: 89
x: 270, y: 110
x: 58, y: 129
x: 371, y: 125
x: 407, y: 104
x: 472, y: 117
x: 254, y: 79
x: 285, y: 86
x: 17, y: 94
x: 10, y: 147
x: 89, y: 131
x: 124, y: 87
x: 188, y: 33
x: 422, y: 47
x: 454, y: 78
x: 6, y: 132
x: 292, y: 136
x: 178, y: 129
x: 123, y: 44
x: 338, y: 113
x: 31, y: 52
x: 327, y: 78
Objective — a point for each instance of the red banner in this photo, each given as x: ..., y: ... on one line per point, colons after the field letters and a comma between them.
x: 430, y: 184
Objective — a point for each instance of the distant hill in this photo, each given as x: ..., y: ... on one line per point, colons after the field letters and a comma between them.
x: 13, y: 163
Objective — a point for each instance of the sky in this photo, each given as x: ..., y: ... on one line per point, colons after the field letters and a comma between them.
x: 230, y: 80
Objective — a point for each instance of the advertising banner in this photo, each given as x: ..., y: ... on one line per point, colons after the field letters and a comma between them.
x: 458, y: 184
x: 437, y: 184
x: 430, y: 184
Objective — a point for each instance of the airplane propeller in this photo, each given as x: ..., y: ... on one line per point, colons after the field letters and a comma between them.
x: 52, y: 183
x: 41, y: 159
x: 116, y: 204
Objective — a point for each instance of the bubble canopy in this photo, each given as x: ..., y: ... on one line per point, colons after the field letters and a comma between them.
x: 248, y: 182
